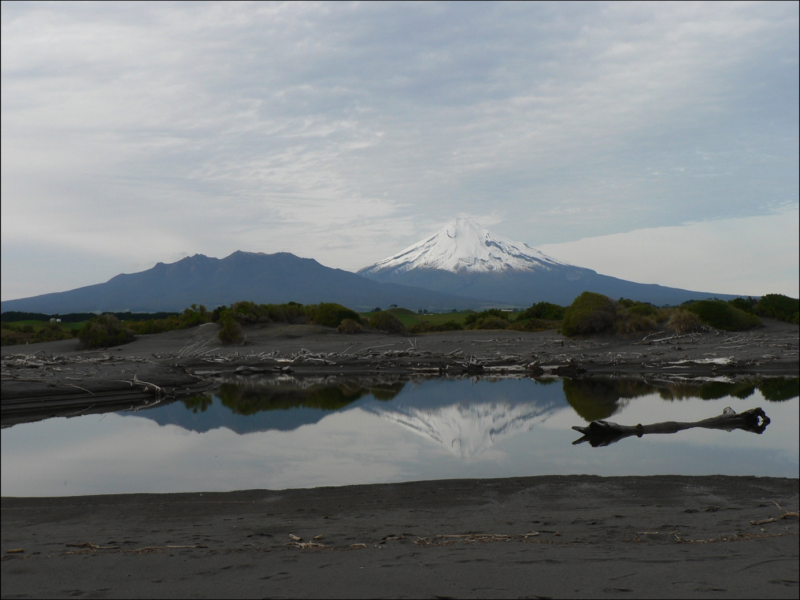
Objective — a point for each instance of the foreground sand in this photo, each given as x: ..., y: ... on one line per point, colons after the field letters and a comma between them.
x: 560, y: 537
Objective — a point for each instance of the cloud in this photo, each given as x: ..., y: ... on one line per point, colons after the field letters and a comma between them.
x: 343, y: 131
x: 746, y: 256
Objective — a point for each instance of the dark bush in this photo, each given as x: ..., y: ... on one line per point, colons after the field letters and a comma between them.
x: 778, y: 306
x: 386, y: 321
x: 217, y: 313
x: 721, y: 315
x: 492, y: 323
x: 194, y: 316
x: 330, y: 314
x: 50, y: 333
x: 472, y: 320
x: 748, y: 305
x: 349, y: 326
x: 248, y: 312
x: 542, y: 310
x: 683, y: 321
x: 589, y: 313
x: 229, y: 330
x: 104, y: 331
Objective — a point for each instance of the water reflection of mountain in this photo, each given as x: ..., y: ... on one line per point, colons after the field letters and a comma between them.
x: 246, y: 408
x: 464, y: 417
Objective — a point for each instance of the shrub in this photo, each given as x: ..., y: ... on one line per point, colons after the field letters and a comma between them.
x: 194, y: 316
x: 722, y: 315
x: 778, y: 306
x: 51, y: 333
x: 104, y: 331
x: 542, y: 310
x: 747, y: 305
x: 229, y: 330
x: 386, y: 321
x: 636, y: 307
x: 683, y: 321
x: 349, y: 326
x: 633, y: 322
x: 248, y: 312
x: 330, y: 314
x: 492, y: 323
x: 589, y: 313
x: 472, y: 320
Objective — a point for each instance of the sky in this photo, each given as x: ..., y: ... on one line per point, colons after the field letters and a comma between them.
x: 656, y: 142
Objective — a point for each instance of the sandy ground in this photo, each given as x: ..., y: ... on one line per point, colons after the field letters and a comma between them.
x: 558, y: 537
x: 170, y: 359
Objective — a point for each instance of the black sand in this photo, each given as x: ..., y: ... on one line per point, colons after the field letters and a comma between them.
x: 560, y: 537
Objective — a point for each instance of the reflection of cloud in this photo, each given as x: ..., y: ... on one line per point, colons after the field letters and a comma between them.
x: 465, y: 430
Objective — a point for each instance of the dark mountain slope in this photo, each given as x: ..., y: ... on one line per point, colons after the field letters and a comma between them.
x: 261, y: 278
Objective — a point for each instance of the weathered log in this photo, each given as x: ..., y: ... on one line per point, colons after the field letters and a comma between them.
x: 604, y: 433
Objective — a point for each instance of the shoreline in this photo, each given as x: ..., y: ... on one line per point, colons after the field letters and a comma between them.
x: 555, y: 536
x: 59, y: 378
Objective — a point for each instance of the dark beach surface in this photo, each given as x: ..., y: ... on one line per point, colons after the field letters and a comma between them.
x: 559, y: 537
x: 550, y: 536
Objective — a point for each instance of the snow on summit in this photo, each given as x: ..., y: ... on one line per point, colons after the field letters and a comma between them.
x: 464, y: 246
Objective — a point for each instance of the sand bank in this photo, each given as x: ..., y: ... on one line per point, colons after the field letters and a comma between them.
x: 560, y: 537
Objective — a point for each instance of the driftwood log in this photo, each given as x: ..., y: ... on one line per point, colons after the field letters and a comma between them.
x: 603, y: 433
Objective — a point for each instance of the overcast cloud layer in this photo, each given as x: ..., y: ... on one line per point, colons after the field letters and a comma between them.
x: 138, y: 133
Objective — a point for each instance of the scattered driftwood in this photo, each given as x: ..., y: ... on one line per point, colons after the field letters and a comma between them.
x: 604, y: 433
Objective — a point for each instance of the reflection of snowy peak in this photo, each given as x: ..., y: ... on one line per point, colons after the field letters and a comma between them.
x: 466, y: 430
x: 464, y: 246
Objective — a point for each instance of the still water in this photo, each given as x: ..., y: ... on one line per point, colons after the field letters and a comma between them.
x: 287, y: 433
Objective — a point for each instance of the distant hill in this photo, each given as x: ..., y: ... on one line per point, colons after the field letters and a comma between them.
x: 467, y: 260
x: 258, y: 277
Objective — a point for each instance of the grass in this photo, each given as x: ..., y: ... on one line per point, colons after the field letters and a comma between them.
x: 41, y: 324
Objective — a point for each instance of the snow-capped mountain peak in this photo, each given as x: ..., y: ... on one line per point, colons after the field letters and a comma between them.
x: 464, y: 246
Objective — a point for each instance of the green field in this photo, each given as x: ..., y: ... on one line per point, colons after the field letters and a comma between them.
x: 39, y: 324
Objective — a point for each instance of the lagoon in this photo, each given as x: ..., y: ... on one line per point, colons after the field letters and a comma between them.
x: 283, y: 432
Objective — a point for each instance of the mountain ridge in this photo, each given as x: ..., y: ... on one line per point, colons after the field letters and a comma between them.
x: 257, y: 277
x: 475, y: 262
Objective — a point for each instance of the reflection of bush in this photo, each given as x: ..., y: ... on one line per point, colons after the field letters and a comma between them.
x: 251, y: 400
x: 198, y: 403
x: 778, y: 389
x: 243, y: 400
x: 386, y: 391
x: 592, y: 400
